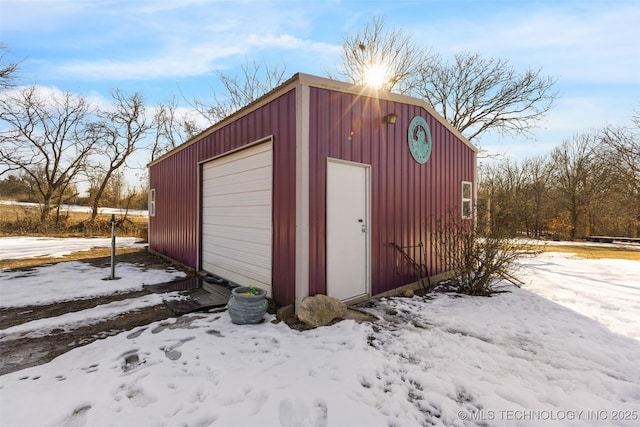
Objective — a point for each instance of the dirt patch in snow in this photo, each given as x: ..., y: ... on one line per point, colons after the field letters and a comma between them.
x: 13, y: 316
x: 21, y: 352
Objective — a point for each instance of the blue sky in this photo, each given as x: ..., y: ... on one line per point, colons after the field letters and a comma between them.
x: 166, y: 47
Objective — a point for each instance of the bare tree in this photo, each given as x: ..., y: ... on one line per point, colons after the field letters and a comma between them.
x: 8, y: 69
x: 473, y: 93
x: 119, y: 132
x: 392, y: 54
x: 170, y: 128
x: 45, y: 138
x: 239, y: 91
x: 477, y: 95
x: 514, y: 197
x: 589, y: 185
x: 625, y: 145
x: 536, y: 205
x: 581, y: 179
x: 623, y: 150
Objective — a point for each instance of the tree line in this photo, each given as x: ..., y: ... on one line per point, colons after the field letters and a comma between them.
x: 588, y: 185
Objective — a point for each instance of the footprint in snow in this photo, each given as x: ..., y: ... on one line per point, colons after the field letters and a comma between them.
x: 161, y: 327
x: 131, y: 360
x: 137, y: 397
x: 77, y: 418
x: 206, y: 421
x: 91, y: 368
x: 136, y: 334
x: 298, y: 414
x: 171, y: 353
x: 321, y: 411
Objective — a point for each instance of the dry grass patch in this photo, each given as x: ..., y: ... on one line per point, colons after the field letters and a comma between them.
x: 74, y: 256
x: 21, y: 220
x: 594, y: 252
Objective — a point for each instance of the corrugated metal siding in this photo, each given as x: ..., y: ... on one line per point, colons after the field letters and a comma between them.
x: 174, y: 229
x: 407, y: 198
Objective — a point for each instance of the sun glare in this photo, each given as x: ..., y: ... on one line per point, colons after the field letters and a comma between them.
x: 375, y: 75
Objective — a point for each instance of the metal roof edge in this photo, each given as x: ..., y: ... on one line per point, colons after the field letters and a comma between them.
x: 264, y: 99
x: 323, y: 83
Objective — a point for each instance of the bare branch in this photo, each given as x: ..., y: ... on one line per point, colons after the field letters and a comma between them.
x: 171, y: 128
x: 119, y: 133
x: 254, y: 81
x: 393, y: 51
x: 477, y: 95
x: 8, y: 69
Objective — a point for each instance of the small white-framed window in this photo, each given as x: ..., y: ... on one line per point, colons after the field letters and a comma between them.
x: 467, y: 200
x: 152, y: 202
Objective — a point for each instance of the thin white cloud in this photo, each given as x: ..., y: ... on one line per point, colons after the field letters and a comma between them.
x: 287, y: 41
x: 188, y: 60
x: 21, y: 15
x: 164, y: 39
x: 581, y: 42
x: 191, y: 61
x: 570, y: 116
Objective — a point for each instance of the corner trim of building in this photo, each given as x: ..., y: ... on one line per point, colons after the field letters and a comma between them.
x: 302, y: 194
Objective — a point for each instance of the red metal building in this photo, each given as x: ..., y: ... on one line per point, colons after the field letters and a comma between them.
x: 311, y: 189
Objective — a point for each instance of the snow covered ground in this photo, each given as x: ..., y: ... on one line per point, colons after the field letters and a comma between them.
x: 74, y: 280
x: 564, y: 350
x: 69, y: 280
x: 31, y: 247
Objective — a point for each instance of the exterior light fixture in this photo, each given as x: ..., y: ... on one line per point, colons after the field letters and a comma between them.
x: 390, y: 119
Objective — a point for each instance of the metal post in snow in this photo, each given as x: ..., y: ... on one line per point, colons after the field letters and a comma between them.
x: 113, y: 247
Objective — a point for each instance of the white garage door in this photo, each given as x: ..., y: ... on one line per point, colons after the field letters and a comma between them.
x: 236, y: 216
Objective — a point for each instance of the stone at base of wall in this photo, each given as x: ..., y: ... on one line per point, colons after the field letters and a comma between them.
x: 320, y: 310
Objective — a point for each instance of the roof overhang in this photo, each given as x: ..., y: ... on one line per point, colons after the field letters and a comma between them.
x: 302, y: 79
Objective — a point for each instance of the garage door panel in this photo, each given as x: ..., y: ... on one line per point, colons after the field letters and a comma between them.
x: 256, y: 276
x: 253, y: 250
x: 240, y: 221
x: 248, y: 277
x: 251, y: 276
x: 235, y: 174
x: 246, y: 182
x: 237, y: 216
x: 249, y: 198
x: 251, y: 235
x: 227, y: 261
x: 233, y: 187
x: 259, y: 156
x: 244, y: 210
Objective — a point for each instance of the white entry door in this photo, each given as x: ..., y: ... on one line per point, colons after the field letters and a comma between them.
x: 347, y: 230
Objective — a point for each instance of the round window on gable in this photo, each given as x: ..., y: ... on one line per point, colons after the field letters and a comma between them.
x: 419, y: 137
